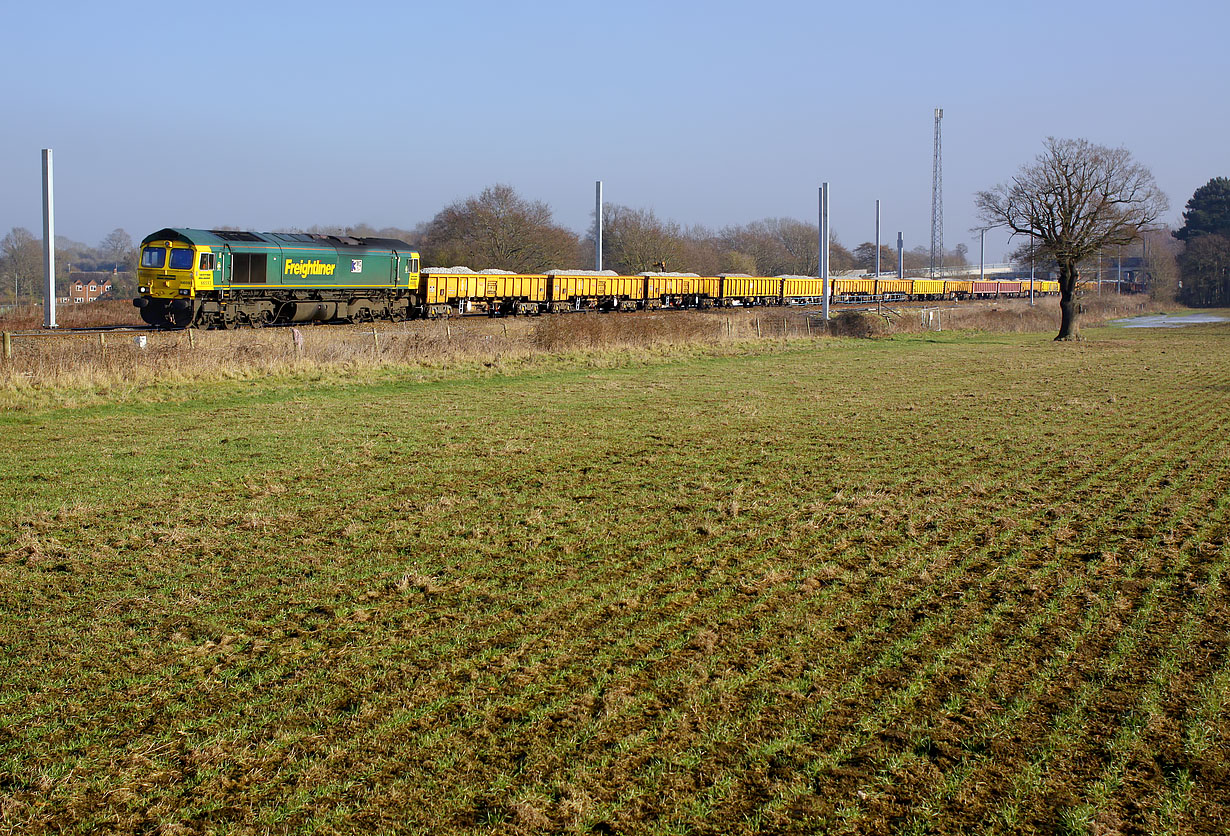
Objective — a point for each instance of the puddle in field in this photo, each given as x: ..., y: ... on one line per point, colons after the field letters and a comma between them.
x: 1169, y: 320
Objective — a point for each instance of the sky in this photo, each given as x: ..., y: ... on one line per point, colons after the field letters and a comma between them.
x: 277, y: 115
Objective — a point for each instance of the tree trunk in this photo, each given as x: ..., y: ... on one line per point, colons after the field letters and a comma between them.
x: 1068, y: 327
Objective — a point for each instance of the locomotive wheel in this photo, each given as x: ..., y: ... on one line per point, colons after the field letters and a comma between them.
x: 154, y: 314
x: 179, y: 318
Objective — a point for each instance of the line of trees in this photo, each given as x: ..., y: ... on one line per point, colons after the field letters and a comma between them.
x: 499, y: 228
x: 21, y: 264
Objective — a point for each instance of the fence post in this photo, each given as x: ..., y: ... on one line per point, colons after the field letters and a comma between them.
x: 191, y: 340
x: 8, y: 346
x: 448, y: 332
x: 297, y: 337
x: 375, y: 339
x: 807, y: 319
x: 758, y: 334
x: 102, y: 341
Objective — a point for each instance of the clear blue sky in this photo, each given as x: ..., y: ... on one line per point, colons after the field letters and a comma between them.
x: 270, y: 115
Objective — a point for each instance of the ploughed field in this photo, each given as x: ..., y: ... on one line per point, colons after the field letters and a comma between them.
x: 931, y: 584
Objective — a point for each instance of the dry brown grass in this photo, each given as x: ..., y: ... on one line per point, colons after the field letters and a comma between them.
x: 1018, y: 317
x: 44, y: 362
x: 96, y: 314
x: 61, y: 366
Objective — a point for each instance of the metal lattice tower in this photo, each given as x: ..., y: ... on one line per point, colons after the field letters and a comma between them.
x: 937, y: 200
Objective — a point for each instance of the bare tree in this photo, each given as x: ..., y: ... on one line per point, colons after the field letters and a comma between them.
x: 776, y: 246
x: 865, y: 256
x: 636, y: 241
x: 1161, y: 264
x: 1076, y: 198
x: 117, y: 247
x: 499, y: 229
x: 23, y: 260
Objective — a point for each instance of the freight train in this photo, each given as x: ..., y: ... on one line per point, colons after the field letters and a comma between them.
x: 227, y: 279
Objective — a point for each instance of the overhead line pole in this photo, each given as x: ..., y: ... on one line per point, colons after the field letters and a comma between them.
x: 877, y: 239
x: 598, y: 225
x: 49, y: 244
x: 982, y: 255
x: 824, y: 247
x: 1031, y: 270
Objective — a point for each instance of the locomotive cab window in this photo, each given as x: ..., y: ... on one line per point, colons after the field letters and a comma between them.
x: 207, y: 261
x: 181, y: 259
x: 153, y: 257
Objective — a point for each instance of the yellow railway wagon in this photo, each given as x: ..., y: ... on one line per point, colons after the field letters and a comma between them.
x: 802, y: 287
x: 565, y: 287
x: 491, y: 289
x: 659, y: 287
x: 751, y: 287
x: 958, y: 288
x: 1041, y: 287
x: 681, y: 288
x: 927, y: 288
x: 709, y: 286
x: 524, y: 288
x: 443, y: 288
x: 854, y: 287
x: 902, y: 286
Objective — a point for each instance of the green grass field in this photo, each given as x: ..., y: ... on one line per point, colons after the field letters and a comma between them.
x: 931, y: 584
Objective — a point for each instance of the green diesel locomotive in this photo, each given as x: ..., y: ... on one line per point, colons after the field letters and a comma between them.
x: 224, y: 278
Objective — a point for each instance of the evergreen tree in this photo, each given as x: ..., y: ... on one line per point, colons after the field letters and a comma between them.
x: 1208, y: 211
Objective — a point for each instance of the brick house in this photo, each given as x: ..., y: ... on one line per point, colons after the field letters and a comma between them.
x: 87, y: 287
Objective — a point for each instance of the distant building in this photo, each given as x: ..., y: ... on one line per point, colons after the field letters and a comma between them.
x: 87, y: 287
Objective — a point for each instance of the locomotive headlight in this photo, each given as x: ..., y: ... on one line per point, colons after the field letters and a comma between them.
x: 183, y: 291
x: 143, y: 289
